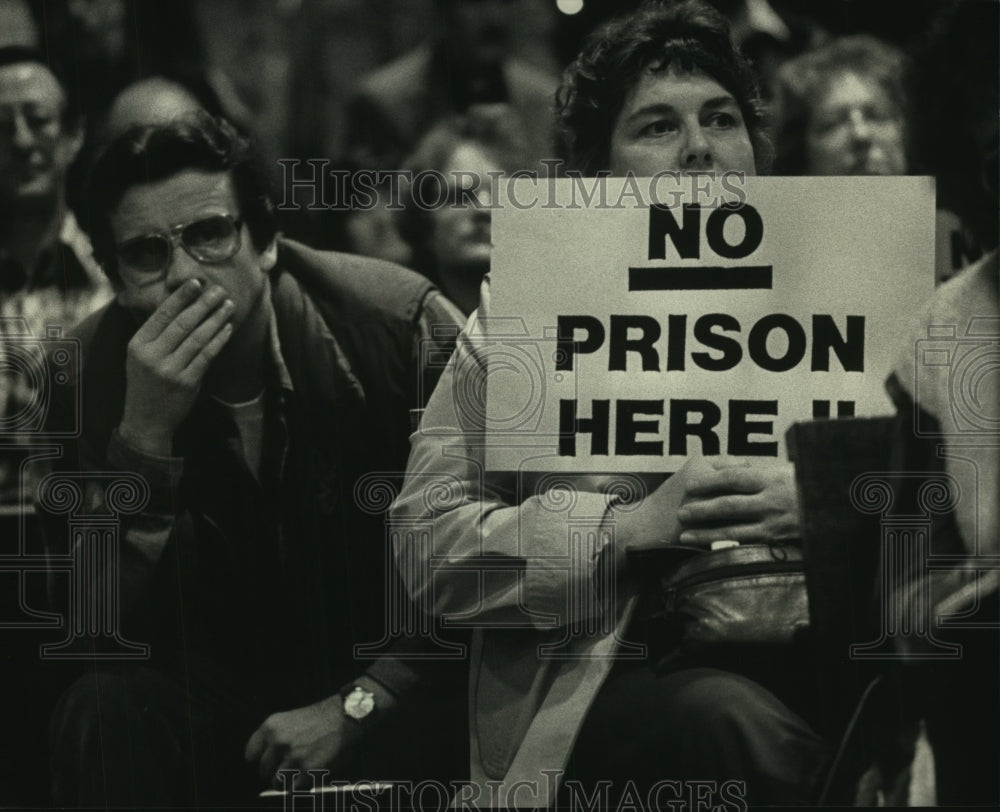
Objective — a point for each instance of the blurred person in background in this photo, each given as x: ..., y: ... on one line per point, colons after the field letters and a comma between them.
x: 840, y: 110
x: 17, y: 24
x: 40, y: 136
x: 768, y: 36
x: 104, y: 45
x: 101, y: 47
x: 466, y: 62
x: 155, y: 100
x: 363, y: 221
x: 451, y: 242
x: 373, y: 231
x: 843, y: 109
x: 48, y: 277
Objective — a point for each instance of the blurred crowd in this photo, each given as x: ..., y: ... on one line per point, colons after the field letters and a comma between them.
x: 338, y: 89
x: 451, y: 89
x: 360, y: 84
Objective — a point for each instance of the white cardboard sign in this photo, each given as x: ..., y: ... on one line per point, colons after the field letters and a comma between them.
x: 652, y: 321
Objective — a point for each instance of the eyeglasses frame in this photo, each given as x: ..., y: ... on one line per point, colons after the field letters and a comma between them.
x: 173, y: 237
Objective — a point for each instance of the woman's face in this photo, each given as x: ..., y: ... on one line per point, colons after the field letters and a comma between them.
x: 680, y: 121
x: 856, y: 129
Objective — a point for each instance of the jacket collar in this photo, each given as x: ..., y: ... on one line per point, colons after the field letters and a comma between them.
x: 308, y: 358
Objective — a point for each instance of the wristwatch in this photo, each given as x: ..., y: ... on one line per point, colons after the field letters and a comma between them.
x: 358, y: 703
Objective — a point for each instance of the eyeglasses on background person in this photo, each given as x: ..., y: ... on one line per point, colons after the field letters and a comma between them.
x: 211, y: 240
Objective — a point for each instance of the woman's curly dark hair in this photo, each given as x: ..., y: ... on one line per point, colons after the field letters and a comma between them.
x: 689, y: 34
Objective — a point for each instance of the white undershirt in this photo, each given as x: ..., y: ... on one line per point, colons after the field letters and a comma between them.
x: 249, y: 418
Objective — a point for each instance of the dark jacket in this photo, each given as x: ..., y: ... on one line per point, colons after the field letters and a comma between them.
x: 279, y: 578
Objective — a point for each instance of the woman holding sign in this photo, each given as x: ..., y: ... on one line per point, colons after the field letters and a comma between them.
x: 564, y: 700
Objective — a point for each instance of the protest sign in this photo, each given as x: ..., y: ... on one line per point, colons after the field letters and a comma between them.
x: 634, y: 321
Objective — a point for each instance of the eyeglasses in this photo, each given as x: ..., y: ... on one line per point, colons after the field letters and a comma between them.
x: 845, y: 119
x: 211, y: 240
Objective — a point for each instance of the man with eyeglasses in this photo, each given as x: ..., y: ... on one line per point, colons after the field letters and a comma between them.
x: 252, y: 383
x: 47, y: 274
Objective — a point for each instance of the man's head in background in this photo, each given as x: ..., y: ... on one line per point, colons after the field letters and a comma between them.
x: 40, y: 133
x: 451, y: 242
x: 662, y: 89
x: 841, y: 110
x: 155, y: 100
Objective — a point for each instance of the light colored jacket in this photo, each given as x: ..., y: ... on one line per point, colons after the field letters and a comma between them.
x: 943, y: 388
x: 520, y: 556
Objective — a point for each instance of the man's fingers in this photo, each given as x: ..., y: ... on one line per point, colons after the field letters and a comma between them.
x: 255, y: 745
x: 718, y: 510
x: 726, y: 480
x: 188, y: 320
x: 703, y: 536
x: 726, y: 461
x: 267, y: 769
x: 169, y: 310
x: 200, y: 363
x: 302, y: 779
x: 201, y: 336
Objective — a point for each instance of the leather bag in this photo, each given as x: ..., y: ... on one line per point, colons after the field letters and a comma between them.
x: 750, y: 594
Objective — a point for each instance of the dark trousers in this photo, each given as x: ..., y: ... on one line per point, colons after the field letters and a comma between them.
x: 717, y: 737
x: 961, y: 703
x: 129, y: 737
x: 133, y: 737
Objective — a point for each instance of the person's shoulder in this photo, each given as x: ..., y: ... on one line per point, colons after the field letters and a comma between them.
x: 969, y: 295
x: 964, y: 306
x: 356, y: 287
x: 102, y: 326
x: 401, y: 76
x: 529, y: 74
x: 524, y: 77
x: 971, y: 289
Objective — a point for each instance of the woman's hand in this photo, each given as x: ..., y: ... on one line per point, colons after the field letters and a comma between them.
x: 739, y: 500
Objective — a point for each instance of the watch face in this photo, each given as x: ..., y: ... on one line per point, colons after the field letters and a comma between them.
x: 359, y: 703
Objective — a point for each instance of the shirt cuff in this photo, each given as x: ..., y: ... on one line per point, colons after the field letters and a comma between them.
x: 396, y: 676
x: 162, y: 474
